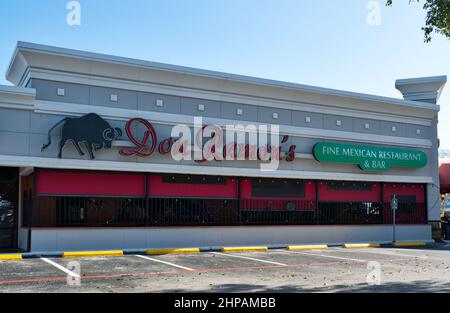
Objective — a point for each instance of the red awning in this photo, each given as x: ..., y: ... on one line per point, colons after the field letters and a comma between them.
x: 89, y: 183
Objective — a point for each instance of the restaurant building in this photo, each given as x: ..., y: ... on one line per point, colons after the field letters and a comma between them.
x: 86, y: 160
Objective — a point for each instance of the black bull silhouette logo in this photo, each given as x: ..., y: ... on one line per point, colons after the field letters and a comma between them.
x: 90, y: 129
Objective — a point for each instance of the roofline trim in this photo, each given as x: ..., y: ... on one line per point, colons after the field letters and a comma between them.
x: 98, y: 57
x: 17, y: 90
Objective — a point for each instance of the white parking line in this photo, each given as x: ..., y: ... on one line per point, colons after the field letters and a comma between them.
x: 431, y: 254
x: 164, y: 262
x: 384, y: 252
x: 60, y: 267
x: 329, y: 256
x: 248, y: 258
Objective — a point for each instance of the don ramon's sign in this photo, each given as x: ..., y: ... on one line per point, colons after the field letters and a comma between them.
x: 369, y: 158
x: 97, y: 134
x: 252, y: 143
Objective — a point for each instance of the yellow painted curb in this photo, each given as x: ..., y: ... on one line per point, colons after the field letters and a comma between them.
x: 409, y: 244
x: 310, y: 247
x: 172, y: 251
x: 87, y: 254
x: 361, y: 245
x: 244, y: 249
x: 10, y: 257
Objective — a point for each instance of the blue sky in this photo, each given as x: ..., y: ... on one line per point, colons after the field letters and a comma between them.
x: 323, y: 43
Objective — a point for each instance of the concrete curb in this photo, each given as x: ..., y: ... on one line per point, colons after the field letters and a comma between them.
x: 307, y: 247
x: 172, y: 251
x: 11, y: 257
x: 88, y: 254
x: 244, y: 249
x: 409, y: 244
x: 361, y: 245
x: 117, y: 253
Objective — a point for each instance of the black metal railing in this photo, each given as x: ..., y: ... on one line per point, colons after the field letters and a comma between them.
x: 350, y: 213
x: 277, y: 212
x: 174, y: 211
x: 139, y: 212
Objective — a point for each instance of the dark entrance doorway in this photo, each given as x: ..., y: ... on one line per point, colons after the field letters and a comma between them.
x: 9, y: 188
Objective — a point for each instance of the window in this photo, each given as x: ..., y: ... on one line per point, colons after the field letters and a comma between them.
x: 338, y: 191
x: 90, y: 212
x: 278, y: 188
x: 407, y: 204
x: 349, y: 213
x: 355, y: 186
x: 193, y: 179
x: 72, y: 211
x: 192, y: 186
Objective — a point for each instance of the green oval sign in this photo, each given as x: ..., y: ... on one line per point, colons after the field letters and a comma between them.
x: 369, y: 158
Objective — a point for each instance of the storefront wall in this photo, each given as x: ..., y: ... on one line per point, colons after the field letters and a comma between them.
x: 307, y: 116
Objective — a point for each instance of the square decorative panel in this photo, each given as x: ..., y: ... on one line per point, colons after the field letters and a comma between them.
x: 61, y: 92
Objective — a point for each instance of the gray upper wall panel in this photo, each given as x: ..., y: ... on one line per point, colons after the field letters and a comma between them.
x: 73, y: 93
x: 15, y: 121
x: 159, y: 103
x: 125, y: 99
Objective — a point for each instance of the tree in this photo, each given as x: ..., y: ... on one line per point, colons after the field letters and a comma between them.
x: 438, y: 17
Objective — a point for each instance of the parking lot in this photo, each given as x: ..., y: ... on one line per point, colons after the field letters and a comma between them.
x: 425, y: 269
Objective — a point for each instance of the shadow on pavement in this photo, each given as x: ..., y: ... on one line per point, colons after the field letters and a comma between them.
x: 426, y: 286
x: 441, y: 246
